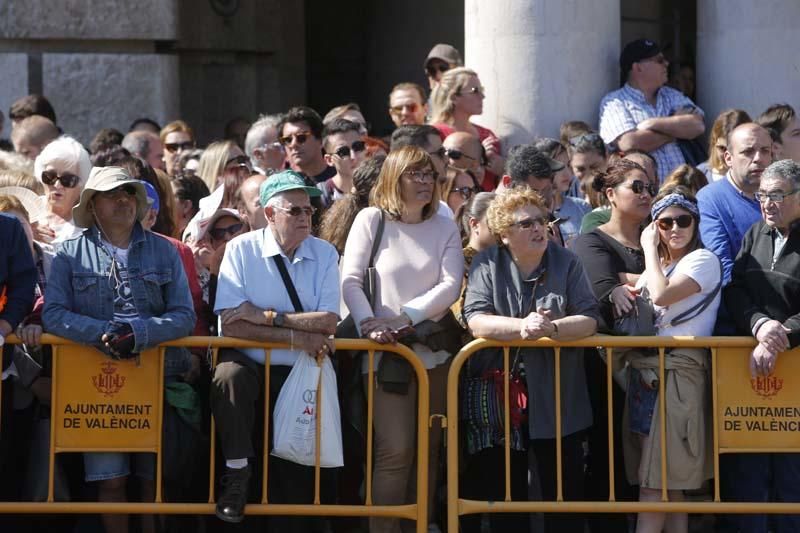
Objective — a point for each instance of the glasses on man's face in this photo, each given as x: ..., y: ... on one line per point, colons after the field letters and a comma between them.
x: 455, y: 155
x: 528, y: 223
x: 472, y: 90
x: 277, y: 146
x: 175, y: 147
x: 667, y: 223
x: 420, y: 176
x: 404, y: 108
x: 67, y: 179
x: 299, y: 137
x: 123, y: 191
x: 773, y: 196
x: 296, y: 210
x: 465, y: 192
x: 219, y: 233
x: 638, y: 187
x: 353, y: 149
x: 436, y: 68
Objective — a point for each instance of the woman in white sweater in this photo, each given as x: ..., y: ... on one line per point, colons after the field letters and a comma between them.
x: 419, y: 266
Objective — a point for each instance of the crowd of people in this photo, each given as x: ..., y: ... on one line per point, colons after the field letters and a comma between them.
x: 307, y: 228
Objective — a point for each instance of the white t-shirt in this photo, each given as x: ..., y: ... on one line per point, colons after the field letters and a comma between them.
x: 703, y: 267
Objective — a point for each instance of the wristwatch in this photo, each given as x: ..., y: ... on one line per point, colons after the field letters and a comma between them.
x: 279, y: 320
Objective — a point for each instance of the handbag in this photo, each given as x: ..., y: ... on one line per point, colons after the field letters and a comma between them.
x: 638, y: 321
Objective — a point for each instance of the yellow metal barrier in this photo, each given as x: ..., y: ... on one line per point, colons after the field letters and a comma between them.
x: 97, y: 402
x: 738, y: 401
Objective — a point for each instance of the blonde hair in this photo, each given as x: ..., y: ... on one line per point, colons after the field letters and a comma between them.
x: 452, y: 82
x: 387, y: 192
x: 20, y: 178
x: 500, y: 215
x: 212, y: 162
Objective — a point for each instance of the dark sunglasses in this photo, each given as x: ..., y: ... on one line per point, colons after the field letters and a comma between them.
x: 433, y: 69
x: 638, y: 187
x: 585, y: 138
x: 667, y: 223
x: 528, y: 223
x: 455, y: 155
x: 220, y: 233
x: 347, y: 151
x: 466, y: 192
x: 296, y: 210
x: 174, y: 147
x: 397, y: 109
x: 50, y: 177
x: 300, y: 137
x: 127, y: 190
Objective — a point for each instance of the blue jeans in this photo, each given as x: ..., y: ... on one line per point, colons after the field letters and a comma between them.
x: 760, y: 477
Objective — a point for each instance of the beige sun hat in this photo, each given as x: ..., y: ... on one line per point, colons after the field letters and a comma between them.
x: 103, y: 179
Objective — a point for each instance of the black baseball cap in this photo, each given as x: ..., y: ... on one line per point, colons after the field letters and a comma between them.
x: 636, y: 51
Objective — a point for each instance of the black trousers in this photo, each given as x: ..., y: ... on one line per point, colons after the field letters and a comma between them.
x: 237, y: 403
x: 542, y: 461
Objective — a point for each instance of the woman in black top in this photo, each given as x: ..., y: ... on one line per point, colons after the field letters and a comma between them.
x: 613, y: 256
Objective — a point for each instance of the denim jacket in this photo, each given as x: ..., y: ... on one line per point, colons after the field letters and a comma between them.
x: 79, y: 301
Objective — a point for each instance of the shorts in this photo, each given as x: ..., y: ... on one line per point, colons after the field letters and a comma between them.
x: 100, y: 466
x: 642, y: 399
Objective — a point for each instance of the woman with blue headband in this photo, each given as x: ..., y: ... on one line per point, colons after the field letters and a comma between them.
x: 683, y: 281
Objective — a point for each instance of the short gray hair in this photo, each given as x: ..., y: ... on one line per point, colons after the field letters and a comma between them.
x: 277, y: 200
x: 138, y: 142
x: 785, y: 169
x: 255, y: 135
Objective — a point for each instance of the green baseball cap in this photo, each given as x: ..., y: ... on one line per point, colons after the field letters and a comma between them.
x: 287, y: 180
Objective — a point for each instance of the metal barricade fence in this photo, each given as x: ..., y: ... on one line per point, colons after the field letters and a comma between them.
x: 140, y: 408
x: 736, y: 398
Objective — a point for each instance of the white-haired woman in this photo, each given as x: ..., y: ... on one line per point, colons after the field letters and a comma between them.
x: 63, y: 168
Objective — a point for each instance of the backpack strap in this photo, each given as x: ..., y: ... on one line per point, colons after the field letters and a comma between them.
x: 287, y: 282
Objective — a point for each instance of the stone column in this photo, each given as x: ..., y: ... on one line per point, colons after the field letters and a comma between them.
x: 542, y: 62
x: 747, y: 55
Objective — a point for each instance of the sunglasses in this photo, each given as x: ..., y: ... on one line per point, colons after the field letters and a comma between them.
x: 410, y: 108
x: 667, y: 223
x: 347, y: 151
x: 586, y: 137
x: 421, y: 176
x: 174, y: 147
x: 433, y: 69
x: 472, y: 90
x: 238, y: 163
x: 466, y: 192
x: 50, y: 177
x: 296, y: 210
x: 528, y: 223
x: 638, y: 187
x: 455, y: 155
x: 300, y: 138
x: 220, y: 233
x: 117, y: 192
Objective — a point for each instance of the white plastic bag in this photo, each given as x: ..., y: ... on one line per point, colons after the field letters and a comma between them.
x: 296, y: 412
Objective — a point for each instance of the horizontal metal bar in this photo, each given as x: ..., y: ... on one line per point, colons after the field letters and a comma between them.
x: 388, y: 511
x: 473, y: 507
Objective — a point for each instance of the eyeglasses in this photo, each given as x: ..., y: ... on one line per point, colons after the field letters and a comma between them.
x: 410, y: 108
x: 68, y: 180
x: 273, y: 146
x: 123, y: 191
x: 472, y: 90
x: 455, y: 155
x: 528, y: 223
x: 667, y: 223
x: 434, y: 68
x: 466, y: 192
x: 296, y: 210
x: 774, y: 196
x: 301, y: 137
x: 347, y: 151
x: 638, y: 187
x: 174, y: 147
x: 585, y: 138
x: 420, y: 176
x: 219, y: 233
x: 441, y: 152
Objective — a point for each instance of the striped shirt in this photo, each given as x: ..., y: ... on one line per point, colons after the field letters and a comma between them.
x: 623, y: 109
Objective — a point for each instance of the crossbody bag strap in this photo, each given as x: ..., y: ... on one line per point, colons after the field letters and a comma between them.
x: 287, y: 282
x: 376, y: 241
x: 700, y: 306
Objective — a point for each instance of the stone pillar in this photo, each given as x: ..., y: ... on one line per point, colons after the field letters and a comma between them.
x: 747, y: 55
x: 542, y: 62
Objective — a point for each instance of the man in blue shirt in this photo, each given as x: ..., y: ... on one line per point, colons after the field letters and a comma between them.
x: 645, y: 114
x: 255, y: 302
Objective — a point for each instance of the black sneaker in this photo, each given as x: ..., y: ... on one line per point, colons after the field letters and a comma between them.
x: 230, y: 505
